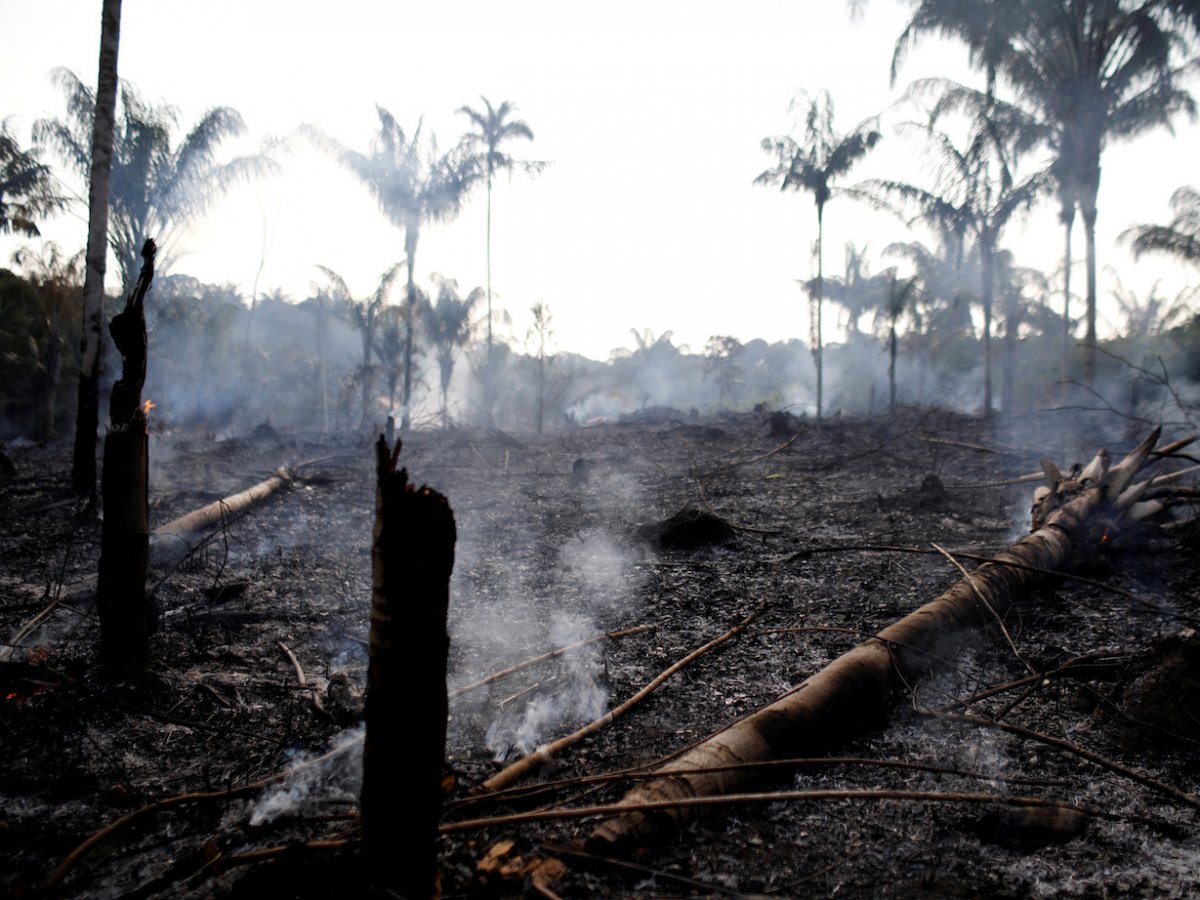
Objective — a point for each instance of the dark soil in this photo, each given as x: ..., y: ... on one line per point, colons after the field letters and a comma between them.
x: 546, y: 557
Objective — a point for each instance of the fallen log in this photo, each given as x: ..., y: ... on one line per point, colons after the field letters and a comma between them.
x: 1071, y: 517
x: 180, y: 536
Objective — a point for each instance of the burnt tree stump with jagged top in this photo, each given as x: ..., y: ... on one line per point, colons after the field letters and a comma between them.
x: 406, y: 704
x: 126, y: 617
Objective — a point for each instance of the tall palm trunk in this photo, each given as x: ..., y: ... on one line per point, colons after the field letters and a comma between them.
x: 892, y: 365
x: 87, y: 415
x: 987, y: 253
x: 1089, y: 335
x: 815, y: 314
x: 410, y: 306
x: 1067, y: 217
x: 488, y: 255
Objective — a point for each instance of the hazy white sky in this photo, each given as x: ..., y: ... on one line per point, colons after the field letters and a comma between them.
x: 651, y: 114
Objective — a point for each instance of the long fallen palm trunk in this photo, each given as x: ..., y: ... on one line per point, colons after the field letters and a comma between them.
x: 180, y: 536
x: 1070, y: 517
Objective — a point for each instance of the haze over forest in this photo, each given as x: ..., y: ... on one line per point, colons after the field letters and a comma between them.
x: 643, y: 237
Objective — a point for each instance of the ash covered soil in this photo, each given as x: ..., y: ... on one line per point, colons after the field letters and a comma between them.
x: 552, y: 552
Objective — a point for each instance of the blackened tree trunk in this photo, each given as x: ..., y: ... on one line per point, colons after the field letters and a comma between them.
x: 87, y: 415
x: 406, y: 705
x: 126, y: 618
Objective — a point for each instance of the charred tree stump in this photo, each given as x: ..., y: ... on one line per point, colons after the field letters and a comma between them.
x: 126, y: 618
x: 406, y: 704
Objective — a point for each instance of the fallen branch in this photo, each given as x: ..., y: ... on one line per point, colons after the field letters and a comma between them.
x: 527, y: 764
x: 703, y: 803
x: 178, y: 536
x: 532, y: 661
x: 1167, y: 790
x: 303, y: 681
x: 64, y: 868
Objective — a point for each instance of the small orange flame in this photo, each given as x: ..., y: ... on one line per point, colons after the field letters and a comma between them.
x: 1105, y: 538
x: 11, y: 695
x: 147, y: 406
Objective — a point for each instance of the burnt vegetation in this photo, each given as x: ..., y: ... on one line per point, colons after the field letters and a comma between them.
x: 381, y: 599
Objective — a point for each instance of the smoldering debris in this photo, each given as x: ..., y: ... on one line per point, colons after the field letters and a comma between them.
x: 315, y: 781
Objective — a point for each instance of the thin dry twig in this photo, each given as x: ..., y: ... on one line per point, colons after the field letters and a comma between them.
x: 982, y: 599
x: 63, y: 869
x: 613, y: 809
x: 1168, y: 790
x: 303, y: 681
x: 532, y: 661
x: 527, y: 764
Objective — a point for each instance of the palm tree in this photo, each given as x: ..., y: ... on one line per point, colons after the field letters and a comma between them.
x: 1181, y: 238
x: 414, y: 184
x: 158, y: 188
x: 1085, y: 71
x: 493, y: 128
x: 812, y: 166
x: 900, y: 297
x: 857, y: 291
x: 365, y: 316
x: 540, y: 333
x: 26, y: 187
x: 99, y: 118
x: 975, y: 196
x: 448, y: 324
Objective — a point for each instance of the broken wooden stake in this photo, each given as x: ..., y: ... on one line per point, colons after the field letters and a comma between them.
x: 855, y: 689
x: 126, y: 618
x: 406, y: 704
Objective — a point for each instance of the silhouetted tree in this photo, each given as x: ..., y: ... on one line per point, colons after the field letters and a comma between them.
x: 492, y: 128
x: 448, y: 324
x: 98, y: 120
x: 414, y: 184
x: 975, y: 198
x: 159, y: 188
x: 27, y: 191
x: 1084, y: 71
x: 539, y: 334
x: 365, y: 316
x: 900, y: 297
x: 812, y: 164
x: 720, y: 355
x: 1181, y: 238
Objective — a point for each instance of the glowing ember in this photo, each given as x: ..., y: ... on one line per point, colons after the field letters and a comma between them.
x: 1105, y: 538
x: 147, y: 406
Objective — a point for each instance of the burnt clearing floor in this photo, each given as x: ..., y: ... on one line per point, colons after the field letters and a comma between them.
x: 546, y: 558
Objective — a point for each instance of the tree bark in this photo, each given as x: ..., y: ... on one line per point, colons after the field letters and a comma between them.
x: 854, y: 690
x: 87, y: 414
x: 406, y: 704
x: 180, y: 536
x: 126, y: 618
